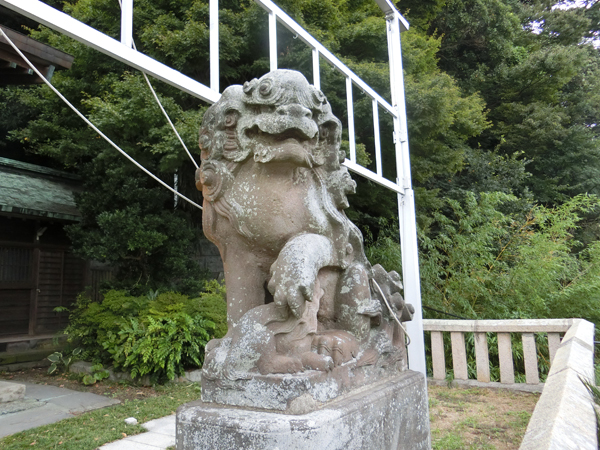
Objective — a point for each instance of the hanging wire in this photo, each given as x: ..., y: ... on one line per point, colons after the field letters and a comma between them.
x: 91, y: 125
x: 162, y: 108
x: 394, y: 316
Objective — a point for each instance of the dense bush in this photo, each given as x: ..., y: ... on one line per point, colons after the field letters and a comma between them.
x: 481, y: 262
x: 159, y: 334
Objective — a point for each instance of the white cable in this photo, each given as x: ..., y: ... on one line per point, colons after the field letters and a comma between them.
x: 91, y: 125
x: 163, y: 109
x: 391, y: 311
x: 168, y: 119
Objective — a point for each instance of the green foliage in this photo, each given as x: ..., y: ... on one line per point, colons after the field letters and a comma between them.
x: 158, y: 334
x: 98, y: 373
x: 212, y: 306
x: 533, y: 65
x: 595, y: 394
x: 60, y: 363
x: 161, y: 345
x: 484, y: 263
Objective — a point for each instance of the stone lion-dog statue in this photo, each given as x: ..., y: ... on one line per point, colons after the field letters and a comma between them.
x: 301, y: 295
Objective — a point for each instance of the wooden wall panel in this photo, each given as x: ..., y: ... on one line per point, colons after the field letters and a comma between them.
x: 14, y: 307
x: 34, y: 280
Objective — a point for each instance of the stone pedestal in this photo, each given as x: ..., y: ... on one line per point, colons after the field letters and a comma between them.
x: 389, y: 415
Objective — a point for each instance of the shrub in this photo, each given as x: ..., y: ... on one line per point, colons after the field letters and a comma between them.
x: 159, y: 334
x: 484, y: 263
x: 211, y: 306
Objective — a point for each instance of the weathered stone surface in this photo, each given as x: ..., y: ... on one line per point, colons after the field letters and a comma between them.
x: 9, y: 392
x: 285, y: 392
x: 301, y: 294
x: 564, y: 417
x: 391, y: 414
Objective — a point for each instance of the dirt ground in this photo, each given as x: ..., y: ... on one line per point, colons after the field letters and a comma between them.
x: 478, y: 418
x: 120, y: 391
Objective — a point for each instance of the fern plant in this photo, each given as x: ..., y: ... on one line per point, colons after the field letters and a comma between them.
x: 158, y: 334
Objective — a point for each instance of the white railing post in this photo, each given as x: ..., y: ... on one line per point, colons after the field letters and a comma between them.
x: 272, y: 40
x: 127, y: 23
x: 316, y: 68
x: 214, y: 44
x: 350, y: 104
x: 406, y: 202
x: 482, y: 357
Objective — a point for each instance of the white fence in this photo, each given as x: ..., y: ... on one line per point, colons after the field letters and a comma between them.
x: 395, y: 23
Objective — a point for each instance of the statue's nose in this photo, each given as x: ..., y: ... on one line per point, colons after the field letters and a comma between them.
x: 294, y: 110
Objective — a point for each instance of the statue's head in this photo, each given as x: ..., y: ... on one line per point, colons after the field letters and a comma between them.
x: 277, y: 116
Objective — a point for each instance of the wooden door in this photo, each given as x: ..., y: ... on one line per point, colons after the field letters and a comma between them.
x: 60, y: 278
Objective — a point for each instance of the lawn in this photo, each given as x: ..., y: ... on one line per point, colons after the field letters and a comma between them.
x: 95, y: 428
x: 486, y: 419
x: 461, y: 419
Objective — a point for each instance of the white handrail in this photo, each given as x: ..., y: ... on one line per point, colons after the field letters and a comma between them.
x: 214, y: 44
x: 57, y: 20
x: 295, y: 28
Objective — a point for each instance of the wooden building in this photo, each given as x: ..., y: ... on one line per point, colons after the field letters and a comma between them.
x: 38, y: 272
x: 14, y: 70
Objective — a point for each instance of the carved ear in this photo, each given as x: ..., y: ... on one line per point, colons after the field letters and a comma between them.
x: 214, y: 178
x: 207, y: 132
x: 199, y: 178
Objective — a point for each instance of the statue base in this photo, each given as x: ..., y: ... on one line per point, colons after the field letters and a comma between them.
x: 302, y: 392
x: 391, y: 414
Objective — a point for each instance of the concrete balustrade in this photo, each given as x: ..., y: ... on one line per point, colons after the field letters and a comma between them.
x: 564, y: 417
x: 503, y: 328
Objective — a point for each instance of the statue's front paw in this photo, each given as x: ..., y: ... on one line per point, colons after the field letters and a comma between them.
x: 213, y: 343
x: 290, y: 291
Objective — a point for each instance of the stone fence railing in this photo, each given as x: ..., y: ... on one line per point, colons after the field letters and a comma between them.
x: 526, y: 328
x: 564, y: 416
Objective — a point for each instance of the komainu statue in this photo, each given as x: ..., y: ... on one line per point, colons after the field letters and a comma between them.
x: 307, y: 313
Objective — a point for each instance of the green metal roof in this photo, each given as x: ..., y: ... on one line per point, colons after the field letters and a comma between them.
x: 30, y: 190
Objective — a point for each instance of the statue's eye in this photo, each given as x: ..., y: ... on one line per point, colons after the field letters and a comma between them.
x: 265, y: 88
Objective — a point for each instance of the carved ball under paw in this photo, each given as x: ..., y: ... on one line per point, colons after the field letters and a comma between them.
x: 316, y: 361
x: 279, y: 364
x: 340, y: 345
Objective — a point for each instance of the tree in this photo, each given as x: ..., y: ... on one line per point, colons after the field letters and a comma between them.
x: 176, y: 33
x: 539, y: 78
x: 492, y: 107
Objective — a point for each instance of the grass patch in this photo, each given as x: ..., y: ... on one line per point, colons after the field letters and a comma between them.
x: 95, y: 428
x: 465, y: 419
x: 478, y: 419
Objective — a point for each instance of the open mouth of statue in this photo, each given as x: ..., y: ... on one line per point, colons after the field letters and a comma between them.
x: 290, y: 136
x: 292, y: 145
